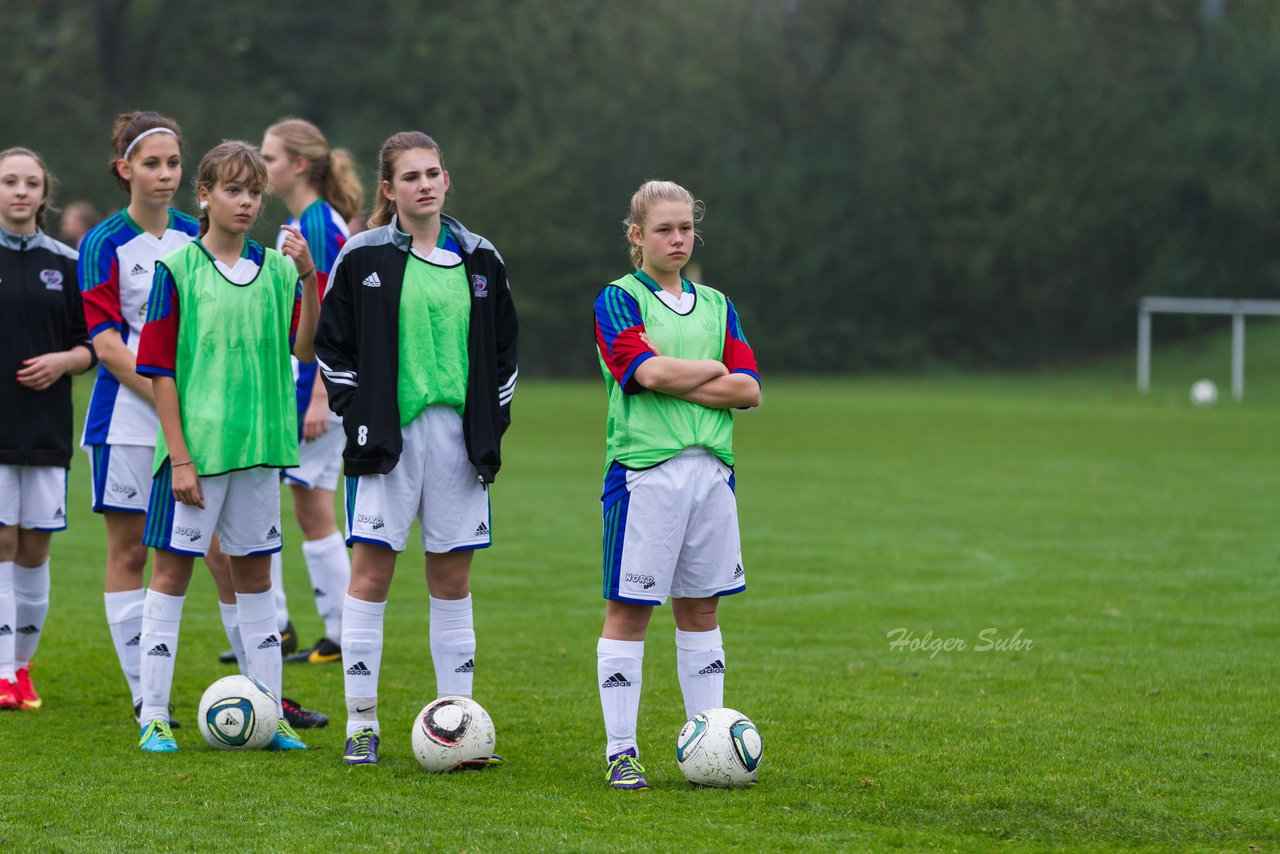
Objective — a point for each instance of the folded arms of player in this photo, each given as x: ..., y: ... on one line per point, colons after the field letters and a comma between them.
x: 707, y: 382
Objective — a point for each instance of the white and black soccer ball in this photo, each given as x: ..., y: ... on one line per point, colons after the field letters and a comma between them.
x: 450, y: 732
x: 1204, y: 393
x: 719, y: 747
x: 238, y: 713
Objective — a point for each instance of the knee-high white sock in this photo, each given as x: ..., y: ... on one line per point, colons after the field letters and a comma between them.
x: 261, y: 639
x: 8, y: 620
x: 453, y: 645
x: 361, y: 660
x: 161, y: 617
x: 31, y: 593
x: 619, y: 666
x: 124, y: 620
x: 330, y: 570
x: 277, y: 588
x: 700, y: 666
x: 231, y: 625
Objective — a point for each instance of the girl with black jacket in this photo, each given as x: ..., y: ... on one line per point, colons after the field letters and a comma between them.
x: 417, y: 347
x: 43, y: 342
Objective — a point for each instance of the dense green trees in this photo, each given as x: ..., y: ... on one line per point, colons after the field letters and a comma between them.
x: 889, y: 183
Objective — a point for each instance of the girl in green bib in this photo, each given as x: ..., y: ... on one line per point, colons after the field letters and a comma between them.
x: 223, y: 316
x: 675, y: 363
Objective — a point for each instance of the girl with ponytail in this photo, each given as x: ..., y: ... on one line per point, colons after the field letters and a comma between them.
x: 318, y: 185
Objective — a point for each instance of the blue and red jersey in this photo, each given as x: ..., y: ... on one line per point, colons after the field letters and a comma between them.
x: 117, y: 262
x: 326, y: 233
x: 619, y: 325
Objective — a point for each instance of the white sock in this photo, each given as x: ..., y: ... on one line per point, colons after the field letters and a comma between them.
x: 124, y: 620
x: 31, y: 593
x: 700, y: 666
x: 231, y: 625
x: 453, y: 645
x: 8, y: 621
x: 619, y: 666
x: 260, y: 639
x: 161, y: 617
x: 277, y: 588
x: 330, y: 570
x: 361, y: 660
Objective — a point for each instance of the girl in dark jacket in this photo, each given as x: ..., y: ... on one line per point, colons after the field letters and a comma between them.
x: 43, y: 342
x: 416, y: 345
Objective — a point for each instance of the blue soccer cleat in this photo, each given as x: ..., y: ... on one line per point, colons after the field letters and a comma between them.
x: 285, y: 738
x: 362, y: 748
x: 625, y: 771
x: 156, y: 737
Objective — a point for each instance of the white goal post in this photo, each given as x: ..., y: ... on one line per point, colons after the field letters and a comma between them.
x: 1236, y: 308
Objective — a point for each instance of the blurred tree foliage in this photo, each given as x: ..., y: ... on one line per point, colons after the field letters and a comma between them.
x: 889, y: 183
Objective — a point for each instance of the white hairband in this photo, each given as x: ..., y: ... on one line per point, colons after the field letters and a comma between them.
x: 137, y: 139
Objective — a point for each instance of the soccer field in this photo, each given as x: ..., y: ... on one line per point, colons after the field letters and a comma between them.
x: 1082, y: 584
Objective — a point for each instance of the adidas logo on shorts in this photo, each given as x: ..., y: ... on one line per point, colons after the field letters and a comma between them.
x: 271, y: 641
x: 372, y: 281
x: 469, y: 667
x: 161, y: 650
x: 737, y: 572
x: 29, y: 630
x: 617, y: 680
x: 134, y: 641
x: 716, y: 666
x: 359, y: 669
x: 273, y: 534
x: 482, y: 530
x: 5, y: 631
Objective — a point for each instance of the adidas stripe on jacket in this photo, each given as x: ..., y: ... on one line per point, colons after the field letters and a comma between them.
x: 357, y: 348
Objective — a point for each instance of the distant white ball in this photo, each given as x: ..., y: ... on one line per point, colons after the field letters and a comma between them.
x: 238, y: 713
x: 719, y: 747
x: 1204, y: 393
x: 450, y: 732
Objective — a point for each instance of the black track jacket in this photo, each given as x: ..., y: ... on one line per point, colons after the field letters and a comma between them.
x: 358, y: 345
x: 40, y: 312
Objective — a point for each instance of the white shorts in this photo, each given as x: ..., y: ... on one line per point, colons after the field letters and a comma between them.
x: 33, y: 497
x: 121, y: 477
x: 320, y: 460
x: 434, y: 481
x: 671, y: 530
x: 241, y: 507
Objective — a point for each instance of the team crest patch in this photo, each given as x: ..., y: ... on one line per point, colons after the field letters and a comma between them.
x: 479, y: 285
x: 52, y: 279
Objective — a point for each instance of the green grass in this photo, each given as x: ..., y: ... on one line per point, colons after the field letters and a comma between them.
x: 1129, y: 539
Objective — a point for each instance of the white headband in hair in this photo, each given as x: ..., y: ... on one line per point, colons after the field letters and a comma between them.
x: 137, y: 139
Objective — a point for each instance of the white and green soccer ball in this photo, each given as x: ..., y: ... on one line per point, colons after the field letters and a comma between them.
x: 719, y: 747
x: 450, y: 732
x: 238, y: 713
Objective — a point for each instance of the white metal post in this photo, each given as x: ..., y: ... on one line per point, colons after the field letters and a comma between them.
x: 1237, y: 356
x: 1144, y: 350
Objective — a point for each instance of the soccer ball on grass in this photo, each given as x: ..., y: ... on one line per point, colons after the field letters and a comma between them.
x: 238, y: 713
x: 719, y: 747
x: 451, y: 732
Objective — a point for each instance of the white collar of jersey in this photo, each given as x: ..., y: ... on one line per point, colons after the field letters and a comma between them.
x: 439, y: 256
